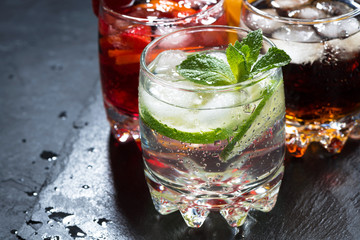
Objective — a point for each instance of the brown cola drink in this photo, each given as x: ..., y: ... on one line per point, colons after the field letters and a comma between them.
x: 322, y: 82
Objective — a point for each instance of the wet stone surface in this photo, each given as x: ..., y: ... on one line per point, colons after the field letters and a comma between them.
x: 63, y: 177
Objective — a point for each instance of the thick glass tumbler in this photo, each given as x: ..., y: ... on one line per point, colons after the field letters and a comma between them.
x: 322, y: 83
x: 209, y: 147
x: 125, y: 28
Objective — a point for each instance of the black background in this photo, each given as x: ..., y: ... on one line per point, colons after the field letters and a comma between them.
x: 63, y: 177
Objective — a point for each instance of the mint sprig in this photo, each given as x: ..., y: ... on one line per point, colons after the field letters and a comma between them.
x: 243, y: 63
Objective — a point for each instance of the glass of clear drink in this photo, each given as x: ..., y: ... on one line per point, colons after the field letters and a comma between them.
x: 209, y: 147
x: 322, y: 83
x: 125, y: 28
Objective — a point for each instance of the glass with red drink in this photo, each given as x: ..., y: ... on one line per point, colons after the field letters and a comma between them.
x: 125, y: 28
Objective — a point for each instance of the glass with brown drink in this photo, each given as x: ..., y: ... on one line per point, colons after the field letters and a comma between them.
x: 322, y: 82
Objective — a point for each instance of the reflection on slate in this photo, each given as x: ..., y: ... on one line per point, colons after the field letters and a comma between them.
x: 63, y: 177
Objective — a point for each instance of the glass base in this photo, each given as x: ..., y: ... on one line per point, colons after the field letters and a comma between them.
x: 332, y: 136
x: 234, y: 207
x: 125, y: 128
x: 355, y: 133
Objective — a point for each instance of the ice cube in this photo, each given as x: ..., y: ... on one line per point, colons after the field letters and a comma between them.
x: 332, y: 8
x: 198, y: 4
x: 164, y: 29
x: 267, y: 24
x: 308, y: 12
x: 164, y: 65
x: 289, y: 4
x: 300, y: 42
x: 296, y: 33
x: 174, y: 40
x: 338, y: 29
x: 301, y: 53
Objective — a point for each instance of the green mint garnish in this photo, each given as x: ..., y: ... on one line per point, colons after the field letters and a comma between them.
x: 272, y: 59
x: 206, y: 70
x: 243, y: 63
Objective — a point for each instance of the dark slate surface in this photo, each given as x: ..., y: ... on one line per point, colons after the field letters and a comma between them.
x: 63, y: 177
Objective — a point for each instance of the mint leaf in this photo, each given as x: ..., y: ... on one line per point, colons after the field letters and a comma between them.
x: 243, y: 55
x: 206, y: 70
x: 237, y: 62
x: 254, y: 41
x: 272, y: 59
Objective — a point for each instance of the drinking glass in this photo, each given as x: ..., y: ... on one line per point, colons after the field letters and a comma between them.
x: 322, y: 82
x: 209, y: 148
x: 125, y: 28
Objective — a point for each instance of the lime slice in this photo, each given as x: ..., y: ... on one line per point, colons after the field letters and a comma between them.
x: 203, y: 137
x: 191, y: 117
x: 264, y: 116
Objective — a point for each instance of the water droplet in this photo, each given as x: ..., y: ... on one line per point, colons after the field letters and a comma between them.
x: 56, y: 67
x: 36, y: 225
x: 62, y: 115
x: 48, y: 155
x: 13, y: 231
x: 249, y: 108
x: 59, y: 216
x: 91, y: 149
x: 49, y: 209
x: 52, y: 238
x: 218, y: 142
x: 79, y: 124
x: 85, y: 187
x: 102, y: 221
x: 89, y: 167
x: 31, y: 194
x: 76, y: 232
x: 56, y: 189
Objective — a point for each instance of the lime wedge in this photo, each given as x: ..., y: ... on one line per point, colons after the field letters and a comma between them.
x: 263, y: 117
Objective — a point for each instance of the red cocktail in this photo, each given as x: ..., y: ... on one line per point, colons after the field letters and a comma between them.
x: 125, y: 28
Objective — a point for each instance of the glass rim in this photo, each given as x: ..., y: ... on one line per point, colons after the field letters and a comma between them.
x: 204, y: 88
x: 155, y: 21
x: 289, y: 20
